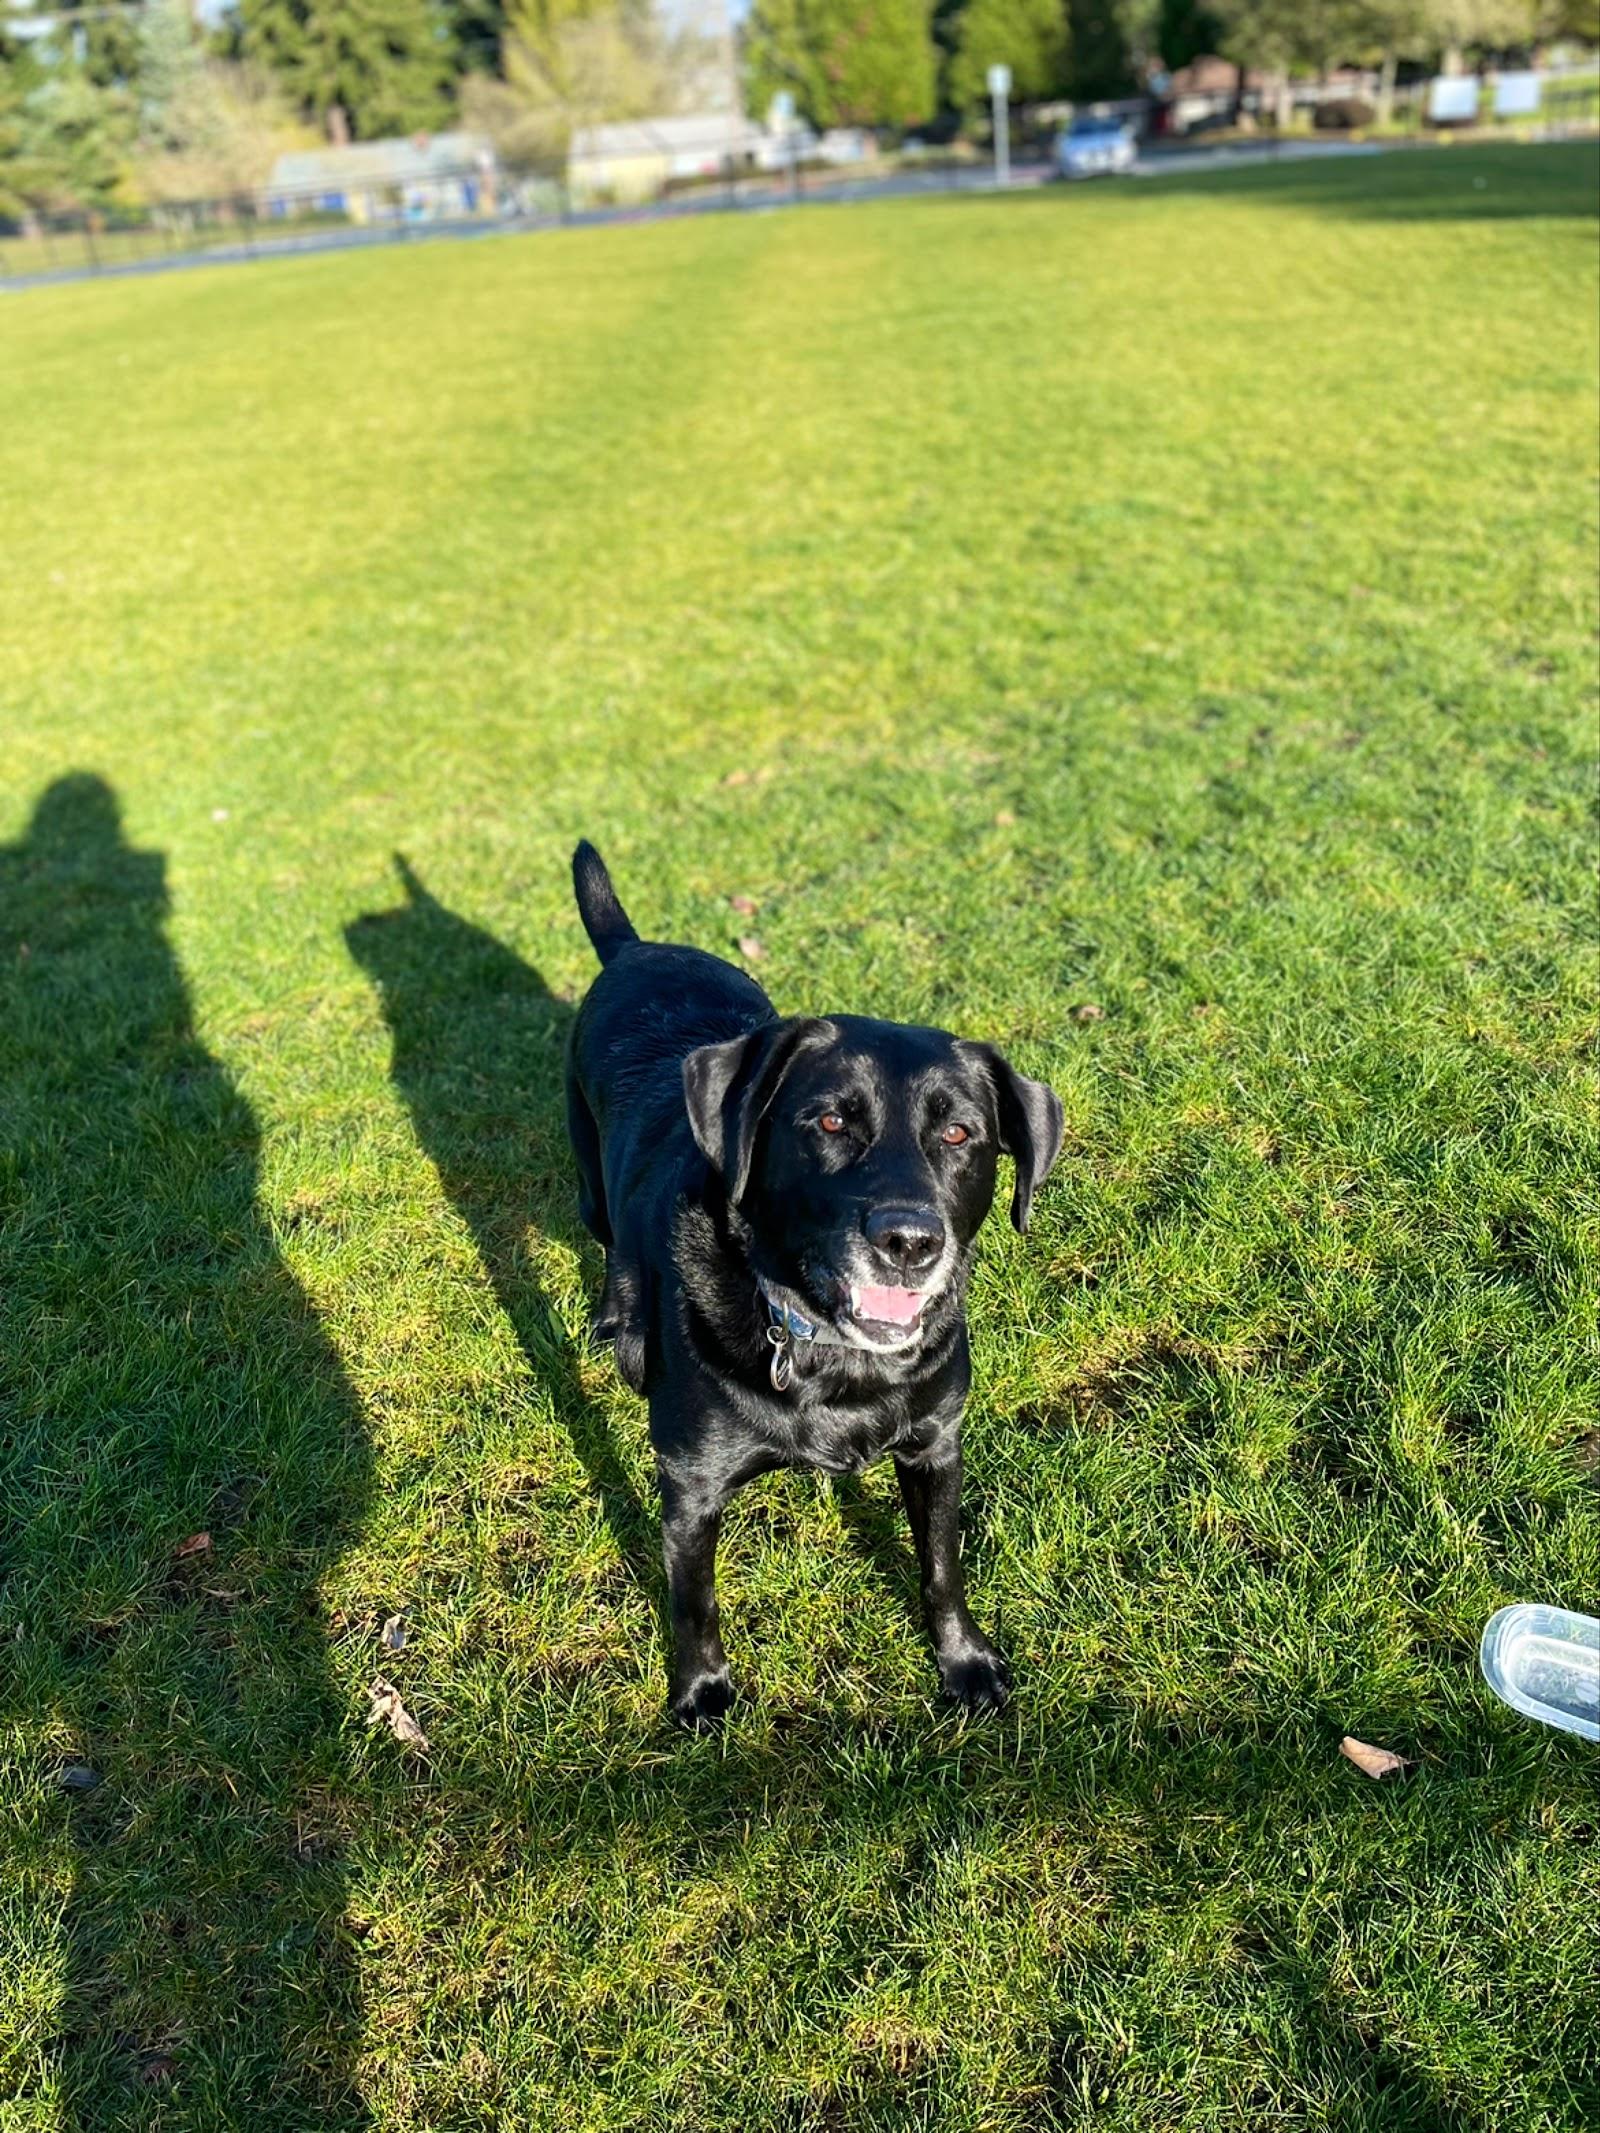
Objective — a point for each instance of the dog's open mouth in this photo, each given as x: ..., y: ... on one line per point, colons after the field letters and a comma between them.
x: 887, y: 1308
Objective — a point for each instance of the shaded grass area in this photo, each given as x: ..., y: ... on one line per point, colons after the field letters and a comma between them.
x: 1435, y: 182
x: 1176, y: 601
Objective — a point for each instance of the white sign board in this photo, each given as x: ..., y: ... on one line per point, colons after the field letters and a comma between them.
x: 1516, y: 95
x: 1452, y: 96
x: 999, y: 81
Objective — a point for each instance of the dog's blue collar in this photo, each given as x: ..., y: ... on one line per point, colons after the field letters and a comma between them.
x: 782, y: 1314
x: 784, y: 1325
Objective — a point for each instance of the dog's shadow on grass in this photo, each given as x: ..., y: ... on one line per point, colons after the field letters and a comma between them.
x: 479, y: 1054
x: 182, y: 1460
x: 877, y: 1531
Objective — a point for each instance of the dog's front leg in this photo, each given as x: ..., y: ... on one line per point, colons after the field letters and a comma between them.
x: 971, y: 1669
x: 701, y: 1688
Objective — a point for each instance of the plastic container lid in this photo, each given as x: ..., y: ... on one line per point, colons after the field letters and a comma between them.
x: 1545, y: 1662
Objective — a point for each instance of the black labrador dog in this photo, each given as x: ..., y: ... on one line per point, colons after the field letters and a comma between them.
x: 788, y: 1207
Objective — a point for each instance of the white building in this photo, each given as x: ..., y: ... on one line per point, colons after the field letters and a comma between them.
x: 636, y: 159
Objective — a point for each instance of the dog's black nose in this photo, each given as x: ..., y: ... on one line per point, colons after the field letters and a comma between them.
x: 910, y: 1238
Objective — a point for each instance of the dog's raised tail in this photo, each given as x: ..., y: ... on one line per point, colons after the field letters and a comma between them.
x: 604, y: 919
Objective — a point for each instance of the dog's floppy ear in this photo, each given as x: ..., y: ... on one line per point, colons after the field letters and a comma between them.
x: 729, y: 1089
x: 1031, y: 1125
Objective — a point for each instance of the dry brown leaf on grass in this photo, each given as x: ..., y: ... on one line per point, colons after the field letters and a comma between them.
x: 1376, y: 1762
x: 392, y: 1636
x: 750, y: 948
x: 196, y: 1544
x: 744, y: 905
x: 387, y: 1709
x: 1089, y: 1011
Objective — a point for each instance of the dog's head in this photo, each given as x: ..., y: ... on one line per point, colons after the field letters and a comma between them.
x: 862, y: 1156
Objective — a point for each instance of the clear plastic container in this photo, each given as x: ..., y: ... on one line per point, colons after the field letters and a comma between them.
x: 1545, y: 1662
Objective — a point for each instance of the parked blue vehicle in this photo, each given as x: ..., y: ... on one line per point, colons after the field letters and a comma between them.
x: 1096, y: 148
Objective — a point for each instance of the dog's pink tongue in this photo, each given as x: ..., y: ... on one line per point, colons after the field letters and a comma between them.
x: 896, y: 1307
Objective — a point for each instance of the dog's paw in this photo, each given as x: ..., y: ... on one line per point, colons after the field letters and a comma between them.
x: 702, y: 1700
x: 978, y: 1678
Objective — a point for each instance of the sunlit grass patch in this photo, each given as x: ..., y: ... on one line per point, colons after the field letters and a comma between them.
x: 1150, y: 628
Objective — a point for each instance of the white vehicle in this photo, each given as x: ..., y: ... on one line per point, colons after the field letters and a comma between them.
x: 1096, y: 148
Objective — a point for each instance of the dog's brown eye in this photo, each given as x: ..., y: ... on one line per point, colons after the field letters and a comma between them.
x: 831, y: 1122
x: 953, y: 1136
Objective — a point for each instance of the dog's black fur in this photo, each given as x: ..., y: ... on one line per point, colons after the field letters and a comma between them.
x: 706, y: 1172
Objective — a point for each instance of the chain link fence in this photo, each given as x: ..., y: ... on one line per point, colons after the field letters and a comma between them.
x: 460, y: 202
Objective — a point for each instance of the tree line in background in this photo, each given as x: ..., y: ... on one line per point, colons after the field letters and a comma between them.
x: 139, y: 100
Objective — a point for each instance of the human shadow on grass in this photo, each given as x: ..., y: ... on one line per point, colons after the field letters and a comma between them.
x: 181, y: 1462
x: 479, y: 1056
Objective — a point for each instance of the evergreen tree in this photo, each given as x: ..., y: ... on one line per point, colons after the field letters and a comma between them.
x: 1280, y: 36
x: 1264, y: 34
x: 1187, y: 30
x: 1111, y: 46
x: 110, y: 45
x: 17, y: 76
x: 478, y: 30
x: 946, y: 27
x: 69, y: 138
x: 845, y: 62
x: 386, y: 64
x: 1028, y: 36
x: 170, y: 68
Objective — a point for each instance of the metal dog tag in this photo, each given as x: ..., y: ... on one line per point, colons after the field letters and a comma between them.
x: 781, y: 1368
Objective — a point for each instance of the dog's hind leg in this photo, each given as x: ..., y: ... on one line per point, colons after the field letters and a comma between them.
x: 623, y: 1318
x: 584, y: 1135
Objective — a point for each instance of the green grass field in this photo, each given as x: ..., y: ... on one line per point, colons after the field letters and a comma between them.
x: 1176, y: 601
